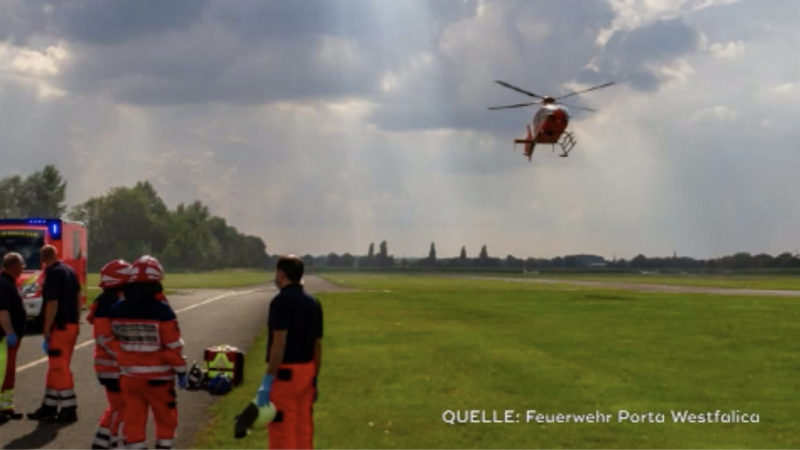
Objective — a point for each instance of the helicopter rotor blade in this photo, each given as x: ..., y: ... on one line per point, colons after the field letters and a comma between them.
x: 577, y: 107
x: 520, y: 90
x: 518, y: 105
x: 599, y: 86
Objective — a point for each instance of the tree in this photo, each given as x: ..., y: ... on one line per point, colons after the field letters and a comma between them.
x: 11, y: 187
x: 432, y: 255
x: 43, y: 193
x: 128, y: 222
x: 484, y: 255
x: 347, y: 260
x: 463, y: 255
x: 383, y: 259
x: 333, y: 259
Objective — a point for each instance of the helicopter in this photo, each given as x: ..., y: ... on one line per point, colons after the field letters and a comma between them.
x: 549, y: 125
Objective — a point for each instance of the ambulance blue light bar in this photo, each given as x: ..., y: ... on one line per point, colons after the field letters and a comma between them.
x: 53, y: 225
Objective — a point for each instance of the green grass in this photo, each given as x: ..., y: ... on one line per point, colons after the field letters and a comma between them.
x: 217, y: 279
x: 218, y: 433
x: 402, y: 349
x: 787, y: 282
x: 174, y: 282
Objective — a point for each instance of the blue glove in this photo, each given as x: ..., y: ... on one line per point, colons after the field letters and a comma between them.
x: 262, y: 397
x: 11, y: 340
x: 46, y: 347
x: 182, y: 383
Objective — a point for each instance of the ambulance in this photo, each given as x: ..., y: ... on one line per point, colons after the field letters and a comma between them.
x: 27, y: 237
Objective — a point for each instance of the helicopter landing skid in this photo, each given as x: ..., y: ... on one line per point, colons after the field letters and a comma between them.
x: 567, y: 142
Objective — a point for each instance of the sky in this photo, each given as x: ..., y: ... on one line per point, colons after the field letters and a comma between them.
x: 322, y: 126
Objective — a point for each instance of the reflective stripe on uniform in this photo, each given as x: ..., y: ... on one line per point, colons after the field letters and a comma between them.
x: 7, y: 399
x: 108, y: 375
x: 105, y: 362
x: 164, y: 443
x: 126, y: 370
x: 174, y: 345
x: 51, y: 397
x: 102, y: 438
x: 144, y: 348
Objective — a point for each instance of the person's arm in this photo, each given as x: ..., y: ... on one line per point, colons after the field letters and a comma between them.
x: 50, y: 309
x: 276, y: 351
x: 52, y: 290
x: 317, y: 354
x: 5, y: 322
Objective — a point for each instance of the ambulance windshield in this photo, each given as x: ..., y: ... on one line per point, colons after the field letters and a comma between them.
x: 25, y: 242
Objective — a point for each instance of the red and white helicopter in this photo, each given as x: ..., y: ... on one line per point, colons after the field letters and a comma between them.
x: 550, y: 121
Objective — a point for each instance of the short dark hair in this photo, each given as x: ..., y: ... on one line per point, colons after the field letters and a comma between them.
x: 292, y: 267
x: 48, y: 253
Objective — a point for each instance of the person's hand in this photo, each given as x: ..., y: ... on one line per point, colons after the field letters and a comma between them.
x: 46, y: 346
x: 11, y: 340
x: 182, y: 382
x: 262, y: 397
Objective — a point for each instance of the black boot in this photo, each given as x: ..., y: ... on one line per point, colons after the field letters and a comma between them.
x: 9, y: 414
x: 68, y: 414
x: 45, y: 413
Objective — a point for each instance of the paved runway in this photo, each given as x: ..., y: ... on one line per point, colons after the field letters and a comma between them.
x: 207, y: 317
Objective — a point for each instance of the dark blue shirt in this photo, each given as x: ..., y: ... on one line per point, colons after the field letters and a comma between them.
x: 61, y: 285
x: 301, y: 316
x: 11, y: 301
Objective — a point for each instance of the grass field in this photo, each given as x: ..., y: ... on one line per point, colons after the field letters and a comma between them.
x: 218, y: 279
x: 401, y: 350
x: 174, y: 282
x: 787, y: 282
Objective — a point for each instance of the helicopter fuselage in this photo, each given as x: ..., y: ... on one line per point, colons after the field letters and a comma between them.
x: 549, y: 123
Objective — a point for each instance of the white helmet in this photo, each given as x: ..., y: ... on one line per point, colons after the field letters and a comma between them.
x: 265, y: 415
x: 253, y: 418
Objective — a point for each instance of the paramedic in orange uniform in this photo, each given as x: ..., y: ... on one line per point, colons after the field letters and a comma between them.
x: 149, y: 347
x: 113, y: 276
x: 60, y: 332
x: 294, y: 354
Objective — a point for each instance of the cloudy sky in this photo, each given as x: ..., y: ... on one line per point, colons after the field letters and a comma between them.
x: 326, y: 125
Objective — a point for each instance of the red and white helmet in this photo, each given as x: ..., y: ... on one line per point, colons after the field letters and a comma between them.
x: 146, y: 269
x: 115, y: 273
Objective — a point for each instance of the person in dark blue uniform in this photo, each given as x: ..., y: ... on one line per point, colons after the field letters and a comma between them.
x: 12, y: 328
x: 294, y: 356
x: 61, y: 315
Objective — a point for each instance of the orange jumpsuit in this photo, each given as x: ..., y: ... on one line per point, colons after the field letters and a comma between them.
x: 107, y: 369
x: 148, y: 345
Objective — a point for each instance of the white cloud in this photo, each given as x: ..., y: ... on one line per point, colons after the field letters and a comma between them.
x: 729, y: 50
x: 36, y: 68
x: 718, y: 113
x: 680, y: 71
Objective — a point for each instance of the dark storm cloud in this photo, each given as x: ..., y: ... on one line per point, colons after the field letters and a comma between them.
x: 242, y: 52
x: 19, y: 20
x: 109, y: 23
x: 629, y: 56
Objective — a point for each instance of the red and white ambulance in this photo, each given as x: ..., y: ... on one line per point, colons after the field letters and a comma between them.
x: 27, y: 237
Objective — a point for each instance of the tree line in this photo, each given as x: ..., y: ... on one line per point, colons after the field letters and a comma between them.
x: 738, y: 261
x: 128, y: 222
